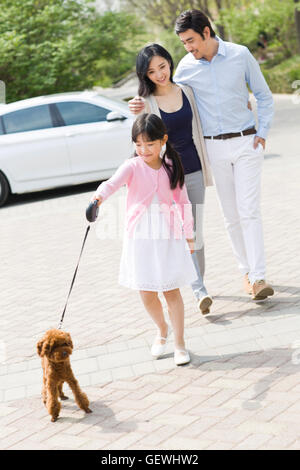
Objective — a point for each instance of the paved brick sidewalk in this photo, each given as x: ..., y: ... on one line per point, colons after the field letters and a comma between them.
x: 242, y: 387
x: 243, y: 401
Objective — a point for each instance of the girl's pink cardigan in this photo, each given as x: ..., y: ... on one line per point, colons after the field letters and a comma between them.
x: 142, y: 182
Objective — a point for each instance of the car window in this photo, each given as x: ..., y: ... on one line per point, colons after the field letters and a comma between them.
x: 76, y: 112
x: 29, y: 119
x: 1, y: 127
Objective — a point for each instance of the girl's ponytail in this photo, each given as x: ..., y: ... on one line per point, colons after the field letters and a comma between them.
x: 175, y: 169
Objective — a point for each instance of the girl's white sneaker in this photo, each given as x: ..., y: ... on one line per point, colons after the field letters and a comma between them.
x: 181, y: 357
x: 158, y: 349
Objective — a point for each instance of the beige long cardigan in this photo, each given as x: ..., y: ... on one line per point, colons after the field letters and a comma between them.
x: 151, y: 106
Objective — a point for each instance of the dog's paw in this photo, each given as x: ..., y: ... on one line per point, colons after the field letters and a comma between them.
x: 88, y: 410
x: 54, y: 418
x: 64, y: 397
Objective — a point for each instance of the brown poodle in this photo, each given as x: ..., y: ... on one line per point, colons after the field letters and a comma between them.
x: 55, y: 348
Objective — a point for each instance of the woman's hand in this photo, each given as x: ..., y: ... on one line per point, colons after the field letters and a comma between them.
x: 191, y: 243
x: 98, y: 198
x: 136, y: 105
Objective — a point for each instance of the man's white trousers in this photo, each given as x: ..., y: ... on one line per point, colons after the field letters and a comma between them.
x: 237, y: 168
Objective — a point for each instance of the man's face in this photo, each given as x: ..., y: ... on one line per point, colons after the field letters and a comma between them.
x: 194, y: 43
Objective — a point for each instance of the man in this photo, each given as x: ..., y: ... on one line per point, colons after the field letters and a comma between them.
x: 219, y: 73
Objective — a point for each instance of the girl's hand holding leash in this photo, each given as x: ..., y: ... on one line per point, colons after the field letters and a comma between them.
x: 92, y: 210
x: 98, y: 198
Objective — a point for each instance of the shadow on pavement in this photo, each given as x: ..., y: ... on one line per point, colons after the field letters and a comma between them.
x: 102, y: 416
x: 271, y: 306
x: 283, y: 364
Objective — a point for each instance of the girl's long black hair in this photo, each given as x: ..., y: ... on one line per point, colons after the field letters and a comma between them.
x: 153, y: 128
x: 146, y: 86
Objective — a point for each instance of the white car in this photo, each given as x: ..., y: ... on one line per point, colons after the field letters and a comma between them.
x: 61, y: 140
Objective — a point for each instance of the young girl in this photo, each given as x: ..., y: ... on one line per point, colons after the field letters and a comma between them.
x: 159, y: 229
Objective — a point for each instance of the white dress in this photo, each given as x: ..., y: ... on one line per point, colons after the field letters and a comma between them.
x: 152, y: 259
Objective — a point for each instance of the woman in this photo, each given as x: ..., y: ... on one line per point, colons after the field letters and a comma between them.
x: 176, y: 106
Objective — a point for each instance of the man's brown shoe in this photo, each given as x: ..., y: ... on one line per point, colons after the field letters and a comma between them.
x: 204, y: 304
x: 261, y: 290
x: 247, y: 285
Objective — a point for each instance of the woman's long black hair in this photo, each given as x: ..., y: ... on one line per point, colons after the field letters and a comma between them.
x: 146, y: 86
x: 153, y: 128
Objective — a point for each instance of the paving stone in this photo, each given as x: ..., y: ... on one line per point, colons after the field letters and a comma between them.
x: 219, y: 445
x: 68, y: 442
x: 125, y: 442
x: 175, y: 443
x: 261, y: 427
x: 253, y: 442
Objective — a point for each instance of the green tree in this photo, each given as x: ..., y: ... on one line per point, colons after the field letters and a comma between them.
x: 164, y: 12
x: 50, y: 46
x: 297, y: 21
x: 274, y: 18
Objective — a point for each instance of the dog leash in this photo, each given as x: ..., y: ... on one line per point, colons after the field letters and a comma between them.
x: 91, y: 214
x: 74, y: 276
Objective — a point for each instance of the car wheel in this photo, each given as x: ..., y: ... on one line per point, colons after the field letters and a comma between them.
x: 4, y: 189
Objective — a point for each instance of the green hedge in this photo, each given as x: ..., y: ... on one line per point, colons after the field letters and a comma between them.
x: 281, y: 77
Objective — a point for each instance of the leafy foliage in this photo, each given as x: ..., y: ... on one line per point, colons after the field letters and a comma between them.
x: 274, y: 18
x: 164, y: 12
x: 170, y: 42
x: 281, y: 77
x: 50, y: 46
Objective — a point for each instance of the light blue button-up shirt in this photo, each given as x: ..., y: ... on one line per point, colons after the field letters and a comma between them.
x: 221, y: 92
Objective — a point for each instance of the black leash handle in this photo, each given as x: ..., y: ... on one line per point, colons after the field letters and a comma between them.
x: 72, y: 283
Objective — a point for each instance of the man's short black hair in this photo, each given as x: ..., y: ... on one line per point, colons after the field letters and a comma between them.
x: 193, y: 19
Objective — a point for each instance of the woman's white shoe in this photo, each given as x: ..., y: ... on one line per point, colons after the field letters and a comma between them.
x: 157, y: 348
x: 181, y: 357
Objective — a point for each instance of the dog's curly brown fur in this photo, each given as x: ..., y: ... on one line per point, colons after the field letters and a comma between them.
x: 55, y: 348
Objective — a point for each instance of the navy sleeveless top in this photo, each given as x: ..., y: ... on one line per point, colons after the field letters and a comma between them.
x: 179, y: 126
